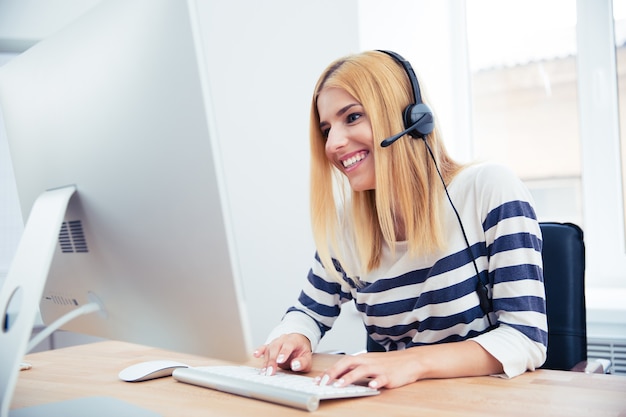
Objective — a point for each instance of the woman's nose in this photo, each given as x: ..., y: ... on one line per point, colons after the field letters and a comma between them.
x: 335, y: 140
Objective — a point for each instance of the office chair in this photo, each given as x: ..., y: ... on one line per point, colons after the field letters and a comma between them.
x: 563, y: 256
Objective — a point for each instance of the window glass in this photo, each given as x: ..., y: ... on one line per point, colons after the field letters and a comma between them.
x: 522, y: 57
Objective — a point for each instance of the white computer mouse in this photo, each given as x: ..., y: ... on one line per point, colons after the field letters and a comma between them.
x: 144, y: 371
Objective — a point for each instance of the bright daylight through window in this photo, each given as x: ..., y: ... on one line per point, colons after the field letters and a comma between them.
x: 524, y: 89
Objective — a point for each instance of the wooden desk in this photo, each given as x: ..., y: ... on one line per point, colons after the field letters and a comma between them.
x: 91, y: 370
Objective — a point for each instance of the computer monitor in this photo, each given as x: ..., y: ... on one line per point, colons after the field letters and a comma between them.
x: 112, y: 115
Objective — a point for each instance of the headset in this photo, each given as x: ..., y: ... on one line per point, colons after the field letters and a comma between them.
x: 419, y: 122
x: 418, y: 118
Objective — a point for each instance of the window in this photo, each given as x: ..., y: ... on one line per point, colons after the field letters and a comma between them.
x: 524, y: 97
x: 530, y: 84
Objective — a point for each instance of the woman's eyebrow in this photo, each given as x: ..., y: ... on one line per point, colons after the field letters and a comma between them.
x: 340, y: 112
x: 346, y: 108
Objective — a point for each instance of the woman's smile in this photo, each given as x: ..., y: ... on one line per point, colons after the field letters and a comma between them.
x: 351, y: 161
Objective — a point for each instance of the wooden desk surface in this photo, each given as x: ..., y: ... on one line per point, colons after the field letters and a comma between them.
x: 91, y: 370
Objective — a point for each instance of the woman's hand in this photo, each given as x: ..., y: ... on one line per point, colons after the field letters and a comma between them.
x: 386, y: 369
x: 289, y: 351
x: 397, y: 368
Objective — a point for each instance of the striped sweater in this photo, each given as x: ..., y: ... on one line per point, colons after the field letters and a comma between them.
x: 410, y: 301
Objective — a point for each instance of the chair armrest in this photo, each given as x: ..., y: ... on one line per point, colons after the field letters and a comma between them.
x: 595, y: 366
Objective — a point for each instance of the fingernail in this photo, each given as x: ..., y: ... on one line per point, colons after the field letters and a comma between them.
x: 269, y: 370
x: 280, y: 358
x: 338, y: 383
x: 373, y: 384
x: 295, y: 365
x: 324, y: 380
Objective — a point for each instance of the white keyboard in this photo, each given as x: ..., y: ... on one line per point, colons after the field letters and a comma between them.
x: 283, y: 388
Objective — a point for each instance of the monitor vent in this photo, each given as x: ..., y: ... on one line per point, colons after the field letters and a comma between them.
x: 72, y: 238
x: 61, y: 300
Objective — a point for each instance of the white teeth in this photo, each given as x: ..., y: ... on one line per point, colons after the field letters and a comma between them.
x: 353, y: 160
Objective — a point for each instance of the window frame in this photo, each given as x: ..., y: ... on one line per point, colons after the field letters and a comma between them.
x: 603, y: 207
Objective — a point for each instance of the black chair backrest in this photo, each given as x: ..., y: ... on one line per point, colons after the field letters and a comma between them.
x: 564, y: 275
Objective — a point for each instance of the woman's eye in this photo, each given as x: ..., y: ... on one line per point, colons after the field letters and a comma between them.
x: 353, y: 117
x: 326, y: 132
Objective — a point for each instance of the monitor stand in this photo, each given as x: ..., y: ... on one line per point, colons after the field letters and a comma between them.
x: 24, y: 285
x: 20, y: 295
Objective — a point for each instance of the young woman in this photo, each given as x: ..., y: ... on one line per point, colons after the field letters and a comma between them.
x: 448, y: 279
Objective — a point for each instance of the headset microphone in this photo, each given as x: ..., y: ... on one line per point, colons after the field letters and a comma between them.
x: 408, y: 131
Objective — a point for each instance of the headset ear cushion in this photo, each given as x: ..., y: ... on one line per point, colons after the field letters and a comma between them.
x: 421, y: 116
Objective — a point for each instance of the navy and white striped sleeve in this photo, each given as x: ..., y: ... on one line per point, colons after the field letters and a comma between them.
x: 513, y: 240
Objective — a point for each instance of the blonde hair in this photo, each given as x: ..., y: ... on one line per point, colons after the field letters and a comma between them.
x: 408, y: 187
